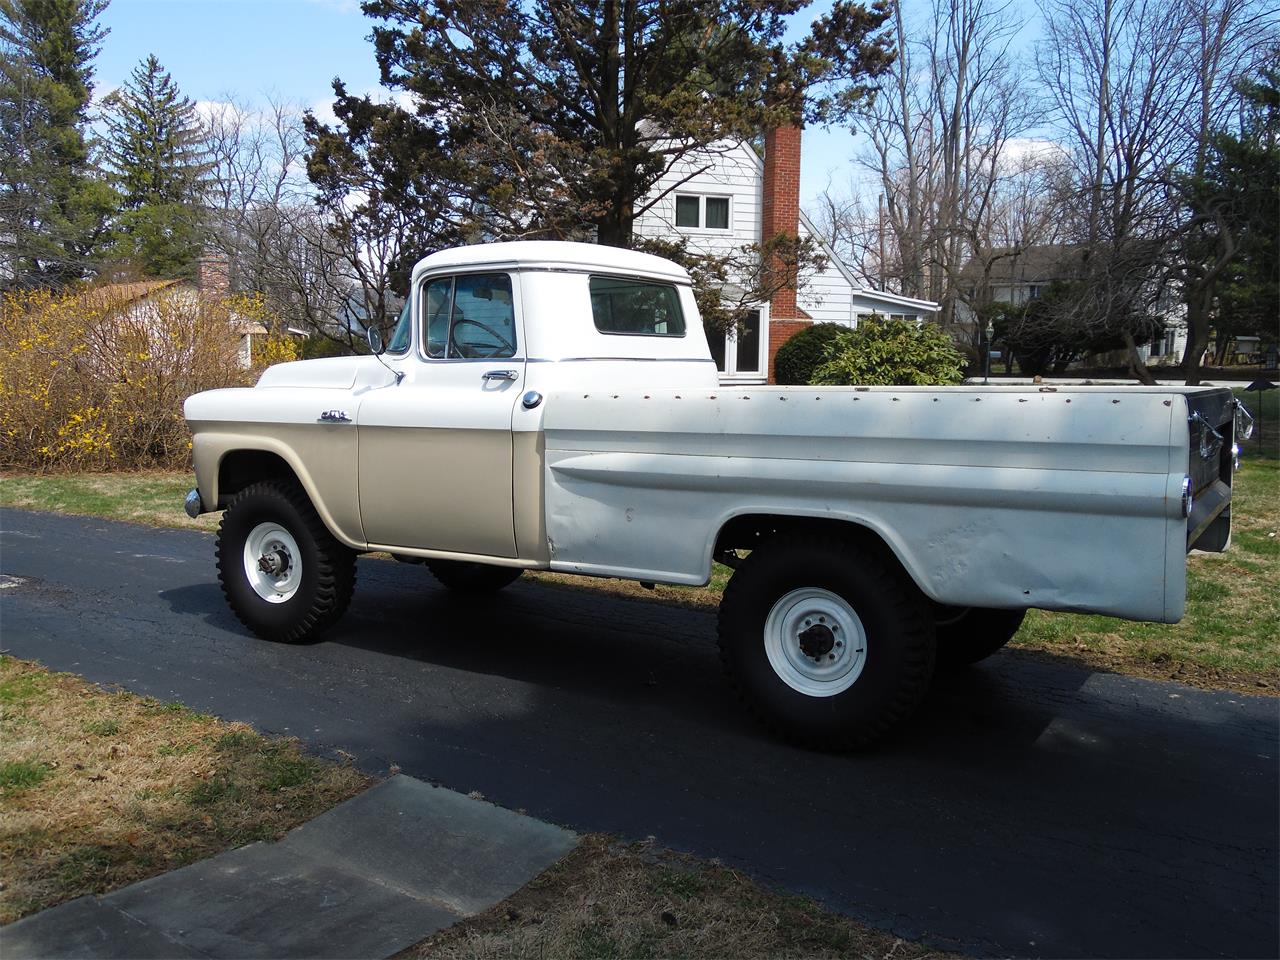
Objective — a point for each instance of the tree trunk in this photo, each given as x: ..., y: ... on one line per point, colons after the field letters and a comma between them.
x: 615, y: 228
x: 1197, y: 340
x: 1137, y: 368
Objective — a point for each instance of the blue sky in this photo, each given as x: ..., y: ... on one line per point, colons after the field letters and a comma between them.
x: 294, y: 48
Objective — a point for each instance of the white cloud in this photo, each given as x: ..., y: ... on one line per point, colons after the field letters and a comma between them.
x: 1029, y: 150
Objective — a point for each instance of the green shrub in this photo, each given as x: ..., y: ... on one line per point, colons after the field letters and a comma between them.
x: 800, y: 356
x: 895, y: 353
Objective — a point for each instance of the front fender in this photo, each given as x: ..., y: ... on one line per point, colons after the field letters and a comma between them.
x: 322, y: 457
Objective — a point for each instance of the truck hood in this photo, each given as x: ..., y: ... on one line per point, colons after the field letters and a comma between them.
x: 338, y: 373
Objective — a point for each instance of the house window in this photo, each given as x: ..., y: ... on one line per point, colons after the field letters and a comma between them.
x: 740, y: 355
x: 1033, y: 292
x: 702, y: 213
x: 687, y: 212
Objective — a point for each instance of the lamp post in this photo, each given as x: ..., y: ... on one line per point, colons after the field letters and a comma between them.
x: 986, y: 372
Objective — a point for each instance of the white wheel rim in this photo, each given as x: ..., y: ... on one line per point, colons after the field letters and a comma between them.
x: 815, y: 642
x: 272, y: 562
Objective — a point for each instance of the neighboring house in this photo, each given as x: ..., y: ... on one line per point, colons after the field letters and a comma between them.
x: 729, y: 197
x: 142, y: 299
x: 1022, y: 276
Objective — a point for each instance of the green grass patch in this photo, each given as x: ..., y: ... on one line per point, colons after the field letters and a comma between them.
x: 152, y: 497
x: 21, y: 774
x: 21, y: 688
x: 102, y: 728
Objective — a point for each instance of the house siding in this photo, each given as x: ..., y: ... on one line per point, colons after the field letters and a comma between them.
x: 829, y: 295
x: 728, y: 172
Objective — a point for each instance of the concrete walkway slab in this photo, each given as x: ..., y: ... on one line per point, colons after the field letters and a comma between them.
x: 88, y: 928
x: 433, y: 844
x: 367, y: 879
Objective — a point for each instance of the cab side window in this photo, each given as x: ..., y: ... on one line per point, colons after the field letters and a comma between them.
x: 470, y: 316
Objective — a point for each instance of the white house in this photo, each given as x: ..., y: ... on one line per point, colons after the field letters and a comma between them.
x: 1021, y: 275
x: 146, y: 302
x: 729, y: 197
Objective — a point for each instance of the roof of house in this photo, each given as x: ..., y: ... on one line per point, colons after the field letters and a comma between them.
x: 115, y: 295
x: 1039, y: 263
x: 120, y: 294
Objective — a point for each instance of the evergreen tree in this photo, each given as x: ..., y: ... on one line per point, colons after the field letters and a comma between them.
x: 53, y: 207
x: 157, y: 158
x: 1230, y: 254
x: 555, y: 118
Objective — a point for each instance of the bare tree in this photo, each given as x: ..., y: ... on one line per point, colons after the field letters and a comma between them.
x: 938, y: 138
x: 268, y: 226
x: 1136, y: 86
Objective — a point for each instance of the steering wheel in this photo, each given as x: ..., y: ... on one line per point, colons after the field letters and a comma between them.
x: 503, y: 342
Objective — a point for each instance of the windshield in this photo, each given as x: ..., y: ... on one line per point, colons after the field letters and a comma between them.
x: 402, y: 337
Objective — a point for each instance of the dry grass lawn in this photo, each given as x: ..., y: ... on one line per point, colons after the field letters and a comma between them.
x: 611, y: 900
x: 101, y: 789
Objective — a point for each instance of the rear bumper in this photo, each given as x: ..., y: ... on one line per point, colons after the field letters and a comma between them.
x: 1210, y: 468
x: 1209, y: 526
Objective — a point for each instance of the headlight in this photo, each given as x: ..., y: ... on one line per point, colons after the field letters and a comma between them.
x: 1187, y: 498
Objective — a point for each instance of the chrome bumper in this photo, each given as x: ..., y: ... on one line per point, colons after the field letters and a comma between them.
x: 193, y: 504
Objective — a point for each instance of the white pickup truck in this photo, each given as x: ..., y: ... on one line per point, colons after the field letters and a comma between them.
x: 555, y: 406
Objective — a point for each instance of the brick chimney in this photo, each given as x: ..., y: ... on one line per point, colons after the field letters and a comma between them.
x: 781, y: 214
x: 213, y: 275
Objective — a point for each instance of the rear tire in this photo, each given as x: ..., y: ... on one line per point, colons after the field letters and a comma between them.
x: 467, y: 577
x: 969, y: 634
x: 284, y: 574
x: 825, y: 641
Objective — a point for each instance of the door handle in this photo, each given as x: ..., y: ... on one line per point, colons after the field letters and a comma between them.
x: 335, y: 416
x: 501, y: 375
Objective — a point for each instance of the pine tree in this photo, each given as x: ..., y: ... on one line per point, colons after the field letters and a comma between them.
x: 53, y: 206
x: 555, y: 118
x: 155, y: 152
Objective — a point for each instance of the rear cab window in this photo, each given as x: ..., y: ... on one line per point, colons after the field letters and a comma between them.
x: 639, y: 308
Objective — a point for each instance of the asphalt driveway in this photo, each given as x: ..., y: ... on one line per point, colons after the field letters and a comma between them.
x: 1032, y: 809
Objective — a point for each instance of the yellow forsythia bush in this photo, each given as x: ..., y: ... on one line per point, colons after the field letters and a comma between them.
x: 95, y: 379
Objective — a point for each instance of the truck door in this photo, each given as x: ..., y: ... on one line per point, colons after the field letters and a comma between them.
x: 435, y: 451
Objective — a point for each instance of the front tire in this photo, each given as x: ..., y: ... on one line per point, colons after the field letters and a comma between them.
x: 284, y: 574
x: 826, y: 641
x: 466, y: 577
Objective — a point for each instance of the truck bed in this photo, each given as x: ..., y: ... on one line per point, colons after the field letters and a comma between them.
x: 1063, y: 498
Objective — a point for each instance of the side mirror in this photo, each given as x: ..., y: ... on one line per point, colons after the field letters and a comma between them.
x: 374, y: 336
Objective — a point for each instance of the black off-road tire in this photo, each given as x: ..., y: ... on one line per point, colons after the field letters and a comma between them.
x: 466, y: 577
x: 969, y: 634
x: 328, y: 574
x: 899, y: 646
